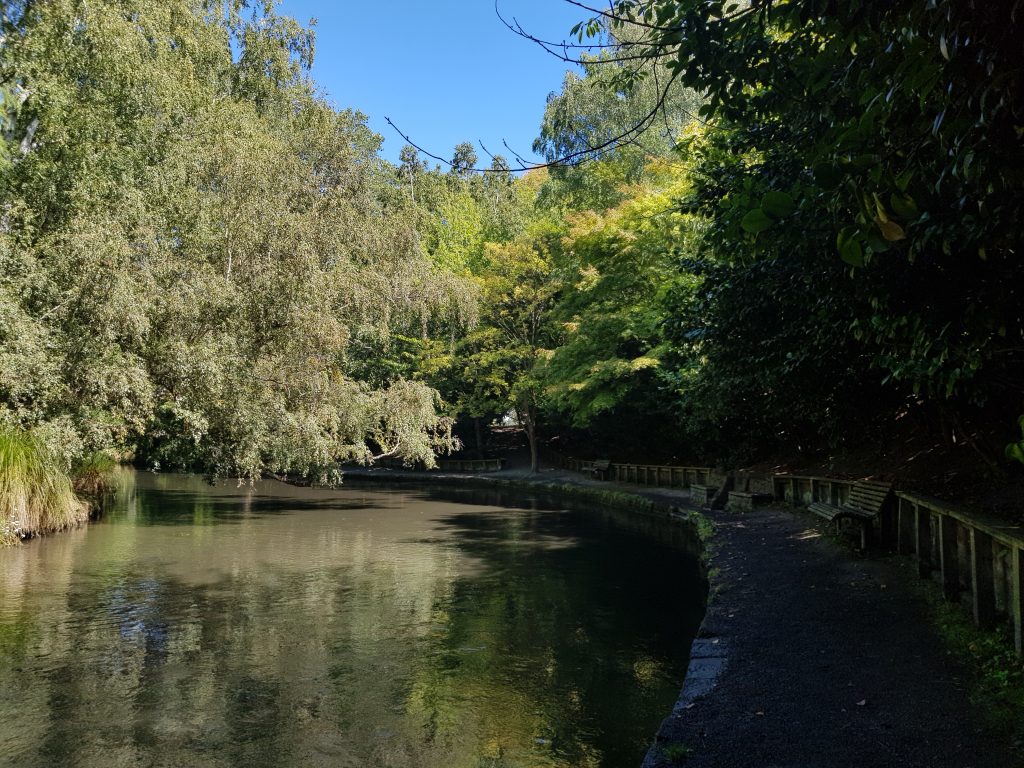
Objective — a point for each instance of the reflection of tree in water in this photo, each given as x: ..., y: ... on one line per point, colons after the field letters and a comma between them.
x: 553, y: 624
x: 136, y: 608
x: 508, y: 639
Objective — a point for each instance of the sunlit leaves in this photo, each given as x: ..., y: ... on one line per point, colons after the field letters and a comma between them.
x: 198, y: 252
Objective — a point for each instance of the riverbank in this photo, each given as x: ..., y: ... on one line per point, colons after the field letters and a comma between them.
x: 807, y: 656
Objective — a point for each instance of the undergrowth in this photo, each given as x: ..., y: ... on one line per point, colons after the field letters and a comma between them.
x: 92, y: 474
x: 997, y: 673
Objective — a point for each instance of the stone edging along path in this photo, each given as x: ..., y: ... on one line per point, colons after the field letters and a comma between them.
x: 807, y: 657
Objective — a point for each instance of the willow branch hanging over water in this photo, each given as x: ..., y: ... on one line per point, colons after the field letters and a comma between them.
x: 196, y: 250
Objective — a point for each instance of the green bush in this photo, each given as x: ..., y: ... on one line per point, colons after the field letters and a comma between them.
x: 92, y: 474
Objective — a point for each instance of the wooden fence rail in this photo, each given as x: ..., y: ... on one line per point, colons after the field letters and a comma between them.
x: 804, y: 490
x: 969, y: 554
x: 448, y: 465
x: 662, y: 476
x: 471, y: 465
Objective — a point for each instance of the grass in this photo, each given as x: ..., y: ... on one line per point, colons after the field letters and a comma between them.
x: 36, y: 495
x: 997, y: 674
x: 92, y: 474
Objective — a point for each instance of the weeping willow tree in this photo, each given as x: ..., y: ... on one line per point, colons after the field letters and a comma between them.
x: 197, y: 252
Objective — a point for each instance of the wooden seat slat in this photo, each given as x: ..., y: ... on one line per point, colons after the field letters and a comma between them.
x: 867, y: 498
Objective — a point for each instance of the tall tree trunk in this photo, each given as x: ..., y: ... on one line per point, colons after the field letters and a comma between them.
x: 478, y: 428
x: 529, y: 419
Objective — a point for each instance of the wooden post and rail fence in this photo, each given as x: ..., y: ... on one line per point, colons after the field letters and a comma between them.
x: 973, y: 557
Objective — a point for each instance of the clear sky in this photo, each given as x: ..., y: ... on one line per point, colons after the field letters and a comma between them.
x: 445, y: 71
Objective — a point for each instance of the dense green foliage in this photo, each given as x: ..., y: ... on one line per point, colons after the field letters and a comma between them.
x: 204, y: 265
x: 200, y: 261
x: 860, y: 175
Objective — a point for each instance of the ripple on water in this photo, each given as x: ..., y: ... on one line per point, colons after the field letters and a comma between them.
x: 270, y: 625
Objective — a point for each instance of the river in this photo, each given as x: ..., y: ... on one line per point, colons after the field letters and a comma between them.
x: 272, y: 625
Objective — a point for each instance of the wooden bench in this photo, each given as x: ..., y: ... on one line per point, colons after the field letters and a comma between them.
x: 867, y: 500
x: 599, y: 469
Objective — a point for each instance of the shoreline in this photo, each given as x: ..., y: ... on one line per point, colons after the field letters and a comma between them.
x: 807, y: 655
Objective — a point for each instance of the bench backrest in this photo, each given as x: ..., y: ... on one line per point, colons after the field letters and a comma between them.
x: 602, y: 464
x: 869, y: 495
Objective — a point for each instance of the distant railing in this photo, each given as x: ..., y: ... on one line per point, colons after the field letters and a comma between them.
x: 471, y: 465
x: 658, y: 475
x: 803, y: 490
x: 447, y: 465
x: 662, y: 476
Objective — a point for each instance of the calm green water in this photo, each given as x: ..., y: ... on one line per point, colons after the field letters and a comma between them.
x: 280, y: 626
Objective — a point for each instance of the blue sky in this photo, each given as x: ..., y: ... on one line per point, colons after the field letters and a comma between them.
x: 444, y: 71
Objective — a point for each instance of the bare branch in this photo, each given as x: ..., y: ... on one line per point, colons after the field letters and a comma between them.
x: 561, y: 50
x: 621, y: 139
x: 610, y: 15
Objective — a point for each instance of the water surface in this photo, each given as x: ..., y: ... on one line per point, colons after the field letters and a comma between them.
x: 270, y: 625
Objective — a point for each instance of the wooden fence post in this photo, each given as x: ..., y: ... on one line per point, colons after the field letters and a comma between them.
x: 1017, y: 597
x: 905, y: 530
x: 948, y: 558
x: 982, y: 580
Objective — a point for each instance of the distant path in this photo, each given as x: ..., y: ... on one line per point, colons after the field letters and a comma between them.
x: 830, y: 661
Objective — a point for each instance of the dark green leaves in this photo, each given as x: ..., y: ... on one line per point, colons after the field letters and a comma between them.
x: 774, y: 206
x: 1015, y: 451
x: 778, y: 205
x: 756, y: 221
x: 850, y: 249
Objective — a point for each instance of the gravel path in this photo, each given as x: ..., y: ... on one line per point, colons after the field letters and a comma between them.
x: 829, y: 661
x: 810, y: 657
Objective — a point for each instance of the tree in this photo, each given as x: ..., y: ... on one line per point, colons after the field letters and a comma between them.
x: 501, y: 358
x: 410, y: 166
x: 464, y: 160
x: 616, y: 267
x: 197, y: 251
x: 891, y: 131
x: 588, y: 134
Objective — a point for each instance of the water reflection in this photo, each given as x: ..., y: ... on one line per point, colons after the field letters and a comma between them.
x: 275, y: 626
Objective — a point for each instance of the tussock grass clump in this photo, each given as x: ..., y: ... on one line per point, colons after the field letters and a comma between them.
x: 92, y: 474
x: 35, y: 491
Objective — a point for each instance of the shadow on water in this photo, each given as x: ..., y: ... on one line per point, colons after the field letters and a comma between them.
x: 509, y: 631
x: 613, y: 600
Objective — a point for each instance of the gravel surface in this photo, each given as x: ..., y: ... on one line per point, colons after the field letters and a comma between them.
x: 830, y: 661
x: 810, y: 657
